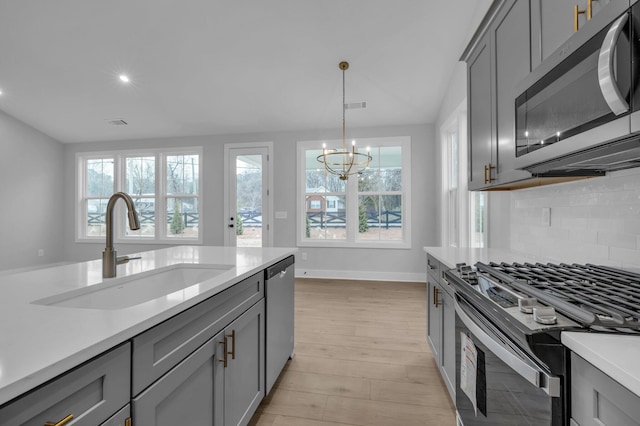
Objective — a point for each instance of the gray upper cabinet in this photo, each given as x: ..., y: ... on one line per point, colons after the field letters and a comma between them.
x: 553, y: 23
x: 480, y: 115
x: 496, y: 63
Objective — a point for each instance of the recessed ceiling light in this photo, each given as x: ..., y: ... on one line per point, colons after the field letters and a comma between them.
x: 0, y: 92
x: 124, y: 78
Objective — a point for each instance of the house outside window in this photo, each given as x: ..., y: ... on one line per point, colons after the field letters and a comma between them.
x: 165, y: 188
x: 367, y: 210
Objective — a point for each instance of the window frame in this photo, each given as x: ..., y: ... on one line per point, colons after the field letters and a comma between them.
x: 351, y: 196
x: 120, y: 225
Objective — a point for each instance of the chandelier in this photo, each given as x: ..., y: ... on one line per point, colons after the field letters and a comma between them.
x: 344, y: 162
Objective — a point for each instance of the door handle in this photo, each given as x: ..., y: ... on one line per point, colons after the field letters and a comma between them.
x: 224, y: 359
x: 576, y: 13
x: 608, y: 86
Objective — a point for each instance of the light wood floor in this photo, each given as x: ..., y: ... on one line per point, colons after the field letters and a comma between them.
x: 361, y: 358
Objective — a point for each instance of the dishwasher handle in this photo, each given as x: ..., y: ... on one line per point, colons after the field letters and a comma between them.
x: 531, y: 373
x: 279, y: 269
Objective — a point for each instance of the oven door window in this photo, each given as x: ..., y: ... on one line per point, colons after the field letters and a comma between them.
x: 502, y: 395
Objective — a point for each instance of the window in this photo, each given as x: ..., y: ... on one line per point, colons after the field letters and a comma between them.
x: 463, y: 212
x: 367, y: 210
x: 165, y: 188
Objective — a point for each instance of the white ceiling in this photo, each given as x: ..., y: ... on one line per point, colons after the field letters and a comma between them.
x: 202, y: 67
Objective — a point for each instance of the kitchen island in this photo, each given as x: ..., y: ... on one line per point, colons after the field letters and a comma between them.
x: 43, y: 336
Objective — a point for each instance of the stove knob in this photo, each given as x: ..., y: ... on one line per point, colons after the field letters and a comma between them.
x: 526, y: 304
x: 459, y: 266
x: 544, y: 315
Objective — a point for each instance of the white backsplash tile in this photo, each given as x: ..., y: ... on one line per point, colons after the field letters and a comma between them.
x: 593, y: 220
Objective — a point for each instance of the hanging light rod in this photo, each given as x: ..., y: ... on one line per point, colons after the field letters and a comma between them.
x: 345, y: 162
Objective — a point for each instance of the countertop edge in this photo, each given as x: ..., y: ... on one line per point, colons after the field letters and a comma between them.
x: 614, y: 355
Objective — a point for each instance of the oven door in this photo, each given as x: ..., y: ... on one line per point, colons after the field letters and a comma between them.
x: 496, y: 382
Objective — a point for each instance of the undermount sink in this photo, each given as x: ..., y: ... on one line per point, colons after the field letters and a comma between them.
x: 118, y: 293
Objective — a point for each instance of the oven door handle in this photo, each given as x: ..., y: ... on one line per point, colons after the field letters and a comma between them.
x: 608, y: 86
x: 550, y: 384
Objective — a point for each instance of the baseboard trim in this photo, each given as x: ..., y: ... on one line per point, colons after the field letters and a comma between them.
x: 360, y: 275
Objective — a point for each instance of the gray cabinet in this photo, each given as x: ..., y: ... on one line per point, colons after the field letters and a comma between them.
x: 598, y: 400
x: 162, y: 347
x: 87, y: 395
x: 220, y: 384
x: 553, y: 23
x: 499, y: 60
x: 441, y: 322
x: 121, y: 418
x: 186, y: 394
x: 178, y: 379
x: 244, y: 374
x: 480, y: 115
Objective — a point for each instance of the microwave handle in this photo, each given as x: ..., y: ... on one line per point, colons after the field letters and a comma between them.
x: 608, y: 86
x: 551, y: 385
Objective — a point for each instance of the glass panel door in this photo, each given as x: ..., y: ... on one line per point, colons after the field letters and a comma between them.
x: 247, y: 217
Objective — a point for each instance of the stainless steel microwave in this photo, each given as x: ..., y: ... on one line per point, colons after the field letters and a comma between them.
x: 577, y: 110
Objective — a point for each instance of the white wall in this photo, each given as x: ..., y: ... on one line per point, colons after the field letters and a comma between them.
x: 595, y: 220
x: 349, y: 263
x: 31, y: 196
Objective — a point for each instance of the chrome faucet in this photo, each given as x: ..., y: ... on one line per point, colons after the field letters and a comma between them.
x: 109, y: 256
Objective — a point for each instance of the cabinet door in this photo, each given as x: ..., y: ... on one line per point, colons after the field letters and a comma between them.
x: 187, y: 394
x: 434, y: 320
x: 598, y: 400
x: 449, y: 344
x: 120, y: 418
x: 244, y: 376
x: 510, y: 43
x: 480, y: 110
x: 552, y: 24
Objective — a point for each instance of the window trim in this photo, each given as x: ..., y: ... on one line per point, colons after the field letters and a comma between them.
x: 351, y: 193
x: 120, y: 225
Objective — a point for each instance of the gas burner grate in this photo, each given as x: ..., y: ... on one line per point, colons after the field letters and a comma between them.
x: 595, y: 296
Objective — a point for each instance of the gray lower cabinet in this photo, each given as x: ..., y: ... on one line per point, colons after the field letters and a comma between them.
x: 441, y: 323
x: 220, y: 384
x: 244, y: 375
x: 88, y: 395
x: 598, y: 400
x: 121, y: 418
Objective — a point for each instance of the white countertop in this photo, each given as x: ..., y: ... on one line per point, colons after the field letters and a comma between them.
x: 615, y: 355
x: 39, y: 342
x: 452, y: 255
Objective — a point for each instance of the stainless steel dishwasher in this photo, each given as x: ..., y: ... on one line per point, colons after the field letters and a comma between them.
x: 279, y: 295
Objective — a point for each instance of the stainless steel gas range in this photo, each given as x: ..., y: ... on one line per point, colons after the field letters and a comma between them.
x: 511, y: 367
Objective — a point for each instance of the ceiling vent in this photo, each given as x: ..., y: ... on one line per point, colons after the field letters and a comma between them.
x: 356, y: 105
x: 117, y: 122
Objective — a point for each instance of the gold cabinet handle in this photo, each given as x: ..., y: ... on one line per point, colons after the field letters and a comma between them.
x: 127, y: 421
x: 590, y: 9
x: 60, y: 422
x: 233, y: 344
x: 487, y: 173
x: 224, y: 360
x: 576, y: 13
x: 435, y: 296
